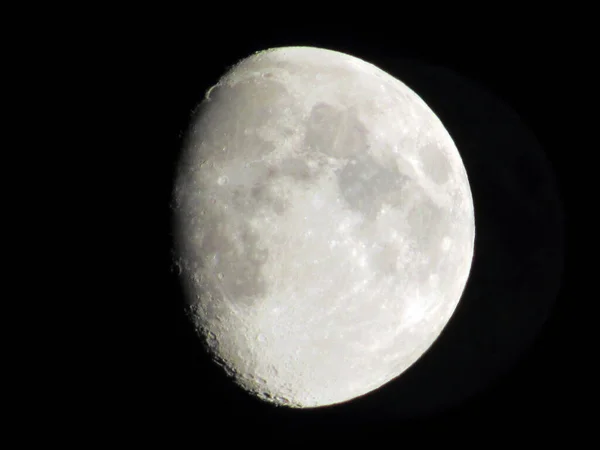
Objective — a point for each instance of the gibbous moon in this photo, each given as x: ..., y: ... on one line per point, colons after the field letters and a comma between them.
x: 324, y: 226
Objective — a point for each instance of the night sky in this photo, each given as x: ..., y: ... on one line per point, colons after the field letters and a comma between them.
x: 497, y: 363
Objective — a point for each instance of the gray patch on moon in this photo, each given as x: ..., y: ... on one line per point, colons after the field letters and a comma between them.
x: 262, y: 194
x: 339, y: 134
x: 435, y: 163
x: 295, y: 168
x: 229, y: 259
x: 366, y: 185
x: 225, y: 123
x: 424, y: 218
x: 383, y: 259
x: 265, y: 197
x: 227, y: 253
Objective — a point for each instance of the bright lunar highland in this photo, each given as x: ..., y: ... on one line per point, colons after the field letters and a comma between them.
x: 324, y: 225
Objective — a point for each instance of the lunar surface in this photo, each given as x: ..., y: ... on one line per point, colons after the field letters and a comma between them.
x: 324, y: 226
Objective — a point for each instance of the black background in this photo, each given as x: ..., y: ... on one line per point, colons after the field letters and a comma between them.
x: 159, y: 379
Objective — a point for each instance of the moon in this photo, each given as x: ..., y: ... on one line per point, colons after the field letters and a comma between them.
x: 324, y: 226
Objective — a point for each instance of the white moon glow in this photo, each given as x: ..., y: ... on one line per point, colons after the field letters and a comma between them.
x: 324, y: 225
